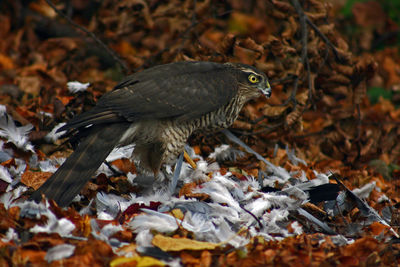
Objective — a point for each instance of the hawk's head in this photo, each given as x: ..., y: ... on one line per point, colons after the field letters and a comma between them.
x: 252, y: 82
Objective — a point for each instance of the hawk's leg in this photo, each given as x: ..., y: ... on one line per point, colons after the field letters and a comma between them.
x: 189, y: 160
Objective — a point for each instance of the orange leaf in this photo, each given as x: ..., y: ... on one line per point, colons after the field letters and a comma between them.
x: 34, y: 179
x: 377, y: 228
x: 6, y: 62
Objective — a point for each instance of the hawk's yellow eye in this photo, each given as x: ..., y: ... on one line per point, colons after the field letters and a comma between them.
x: 253, y: 78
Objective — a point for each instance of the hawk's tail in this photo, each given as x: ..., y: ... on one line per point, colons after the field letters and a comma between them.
x: 77, y: 170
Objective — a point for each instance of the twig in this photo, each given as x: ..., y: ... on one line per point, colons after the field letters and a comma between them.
x: 91, y: 35
x: 304, y: 43
x: 358, y: 130
x: 325, y: 39
x: 292, y: 97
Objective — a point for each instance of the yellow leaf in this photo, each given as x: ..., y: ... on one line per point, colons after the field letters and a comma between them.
x: 178, y: 244
x: 140, y: 261
x: 177, y: 213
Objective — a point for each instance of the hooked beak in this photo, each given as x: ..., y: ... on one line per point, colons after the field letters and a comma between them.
x: 266, y: 90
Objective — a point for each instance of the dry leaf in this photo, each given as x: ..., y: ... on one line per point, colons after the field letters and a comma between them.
x: 178, y: 244
x: 34, y: 179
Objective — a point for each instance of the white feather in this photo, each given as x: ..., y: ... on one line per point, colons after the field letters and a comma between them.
x: 16, y: 135
x: 75, y: 86
x: 59, y: 252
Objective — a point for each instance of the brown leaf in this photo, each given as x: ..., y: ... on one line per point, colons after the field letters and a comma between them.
x: 343, y: 69
x: 34, y: 179
x: 392, y: 68
x: 294, y: 117
x: 238, y: 124
x: 339, y: 78
x: 316, y: 16
x: 29, y: 84
x: 274, y: 111
x: 186, y: 191
x: 226, y: 46
x: 245, y: 55
x: 252, y: 45
x: 283, y: 6
x: 23, y: 257
x: 42, y: 8
x: 290, y: 28
x: 302, y: 98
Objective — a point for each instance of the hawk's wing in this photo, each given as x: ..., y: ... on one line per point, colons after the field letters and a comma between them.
x: 184, y: 90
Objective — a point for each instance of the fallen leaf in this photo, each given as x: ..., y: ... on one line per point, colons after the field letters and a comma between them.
x: 136, y: 261
x: 34, y: 179
x: 178, y: 244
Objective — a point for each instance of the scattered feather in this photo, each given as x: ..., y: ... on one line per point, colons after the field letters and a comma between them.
x: 365, y: 191
x: 59, y: 252
x: 131, y: 177
x: 5, y: 154
x: 11, y: 195
x: 197, y: 223
x: 293, y: 158
x: 54, y: 135
x: 144, y: 238
x: 10, y: 235
x: 5, y: 175
x: 225, y: 152
x: 3, y: 110
x: 200, y: 174
x: 120, y: 152
x: 48, y: 165
x: 271, y: 200
x: 153, y: 220
x: 297, y: 228
x: 224, y: 234
x: 340, y: 240
x: 185, y: 205
x: 218, y: 193
x: 16, y: 135
x: 108, y: 206
x: 75, y: 87
x: 383, y: 199
x: 62, y: 226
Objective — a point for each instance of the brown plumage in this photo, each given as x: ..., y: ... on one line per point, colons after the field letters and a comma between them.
x: 157, y: 109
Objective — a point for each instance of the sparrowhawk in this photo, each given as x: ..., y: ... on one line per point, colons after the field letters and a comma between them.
x: 157, y: 110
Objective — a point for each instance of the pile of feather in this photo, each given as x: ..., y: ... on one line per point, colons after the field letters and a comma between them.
x: 223, y: 210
